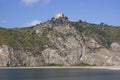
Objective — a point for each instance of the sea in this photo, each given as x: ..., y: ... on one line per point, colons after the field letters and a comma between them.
x: 59, y: 74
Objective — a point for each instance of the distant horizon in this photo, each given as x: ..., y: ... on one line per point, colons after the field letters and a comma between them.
x: 25, y: 13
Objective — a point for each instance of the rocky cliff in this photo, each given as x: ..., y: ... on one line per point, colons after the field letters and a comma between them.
x: 61, y: 42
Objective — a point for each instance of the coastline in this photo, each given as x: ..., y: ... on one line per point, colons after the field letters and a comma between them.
x: 73, y: 67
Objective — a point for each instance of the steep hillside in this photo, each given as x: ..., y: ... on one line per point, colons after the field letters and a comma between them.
x: 60, y: 41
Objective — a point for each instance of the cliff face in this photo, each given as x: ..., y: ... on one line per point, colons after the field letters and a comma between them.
x: 65, y: 44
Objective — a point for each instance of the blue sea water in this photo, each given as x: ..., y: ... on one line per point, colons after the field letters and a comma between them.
x: 59, y: 74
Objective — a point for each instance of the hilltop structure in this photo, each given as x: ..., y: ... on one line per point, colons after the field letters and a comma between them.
x: 59, y: 15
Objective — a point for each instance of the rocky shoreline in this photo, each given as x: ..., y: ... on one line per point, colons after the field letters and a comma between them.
x: 58, y: 67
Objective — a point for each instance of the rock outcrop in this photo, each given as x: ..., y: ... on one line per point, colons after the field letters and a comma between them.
x: 65, y: 46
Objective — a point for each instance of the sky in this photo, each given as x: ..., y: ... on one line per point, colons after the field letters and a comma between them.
x: 24, y: 13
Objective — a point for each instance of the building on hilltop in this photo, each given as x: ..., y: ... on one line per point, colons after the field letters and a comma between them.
x: 60, y: 18
x: 59, y: 15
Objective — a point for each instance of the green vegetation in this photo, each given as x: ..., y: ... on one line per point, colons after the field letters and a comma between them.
x: 83, y: 64
x: 52, y: 64
x: 25, y: 38
x: 55, y: 33
x: 103, y: 33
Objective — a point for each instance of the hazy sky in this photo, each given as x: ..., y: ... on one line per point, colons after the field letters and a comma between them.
x: 19, y: 13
